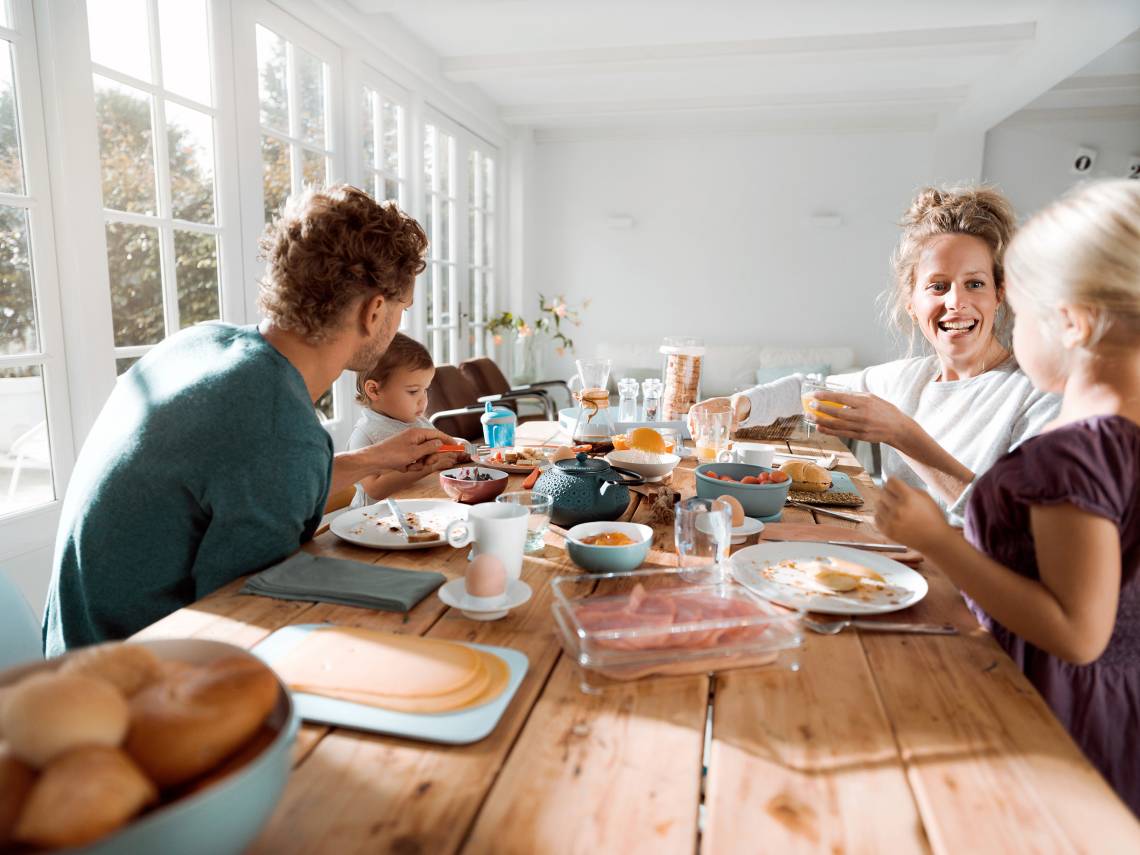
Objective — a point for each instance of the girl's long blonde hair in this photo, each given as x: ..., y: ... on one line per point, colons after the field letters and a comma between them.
x: 1084, y: 250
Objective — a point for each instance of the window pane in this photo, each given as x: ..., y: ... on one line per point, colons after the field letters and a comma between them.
x: 472, y: 168
x: 444, y: 152
x: 429, y: 226
x: 445, y: 316
x: 311, y: 96
x: 488, y: 183
x: 190, y: 143
x: 368, y: 127
x: 272, y: 80
x: 485, y: 295
x: 196, y: 266
x: 18, y: 332
x: 472, y: 295
x: 275, y: 175
x: 126, y: 146
x: 120, y: 36
x: 184, y: 36
x: 474, y: 245
x: 445, y: 229
x: 25, y: 455
x: 488, y: 240
x: 121, y: 365
x: 393, y: 124
x: 392, y: 191
x: 429, y: 156
x: 136, y: 284
x: 5, y: 15
x: 324, y: 406
x: 313, y: 168
x: 11, y: 164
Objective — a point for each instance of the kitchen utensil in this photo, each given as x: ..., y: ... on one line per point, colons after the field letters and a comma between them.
x: 590, y: 388
x: 825, y: 512
x: 833, y: 627
x: 584, y: 489
x: 855, y: 544
x: 400, y: 521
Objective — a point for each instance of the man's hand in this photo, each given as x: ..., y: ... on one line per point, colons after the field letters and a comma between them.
x: 411, y: 450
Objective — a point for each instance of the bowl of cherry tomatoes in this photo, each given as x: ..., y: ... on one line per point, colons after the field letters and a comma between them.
x: 761, y: 490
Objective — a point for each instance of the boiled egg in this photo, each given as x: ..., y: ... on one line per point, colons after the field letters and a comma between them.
x: 486, y: 577
x: 737, y: 509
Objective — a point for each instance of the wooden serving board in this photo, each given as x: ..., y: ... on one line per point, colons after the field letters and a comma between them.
x: 811, y: 531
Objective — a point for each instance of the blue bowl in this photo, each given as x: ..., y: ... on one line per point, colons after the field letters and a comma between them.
x: 226, y: 816
x: 758, y: 500
x: 609, y: 559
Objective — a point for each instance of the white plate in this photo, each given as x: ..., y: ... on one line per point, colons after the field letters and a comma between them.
x: 483, y: 458
x: 454, y: 594
x: 904, y: 587
x: 369, y: 526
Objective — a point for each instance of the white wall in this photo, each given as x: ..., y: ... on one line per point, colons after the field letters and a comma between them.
x: 1030, y: 159
x: 31, y: 573
x: 722, y: 246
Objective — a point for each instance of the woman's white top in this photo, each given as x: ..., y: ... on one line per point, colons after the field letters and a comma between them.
x: 976, y: 420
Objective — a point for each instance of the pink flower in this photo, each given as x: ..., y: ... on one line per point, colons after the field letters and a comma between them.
x: 561, y: 351
x: 524, y: 331
x: 560, y: 310
x: 497, y: 339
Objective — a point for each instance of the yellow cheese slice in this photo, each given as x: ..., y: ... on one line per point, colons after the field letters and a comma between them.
x: 841, y: 575
x: 364, y: 660
x: 494, y: 670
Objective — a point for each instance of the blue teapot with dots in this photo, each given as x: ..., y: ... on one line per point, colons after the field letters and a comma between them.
x: 583, y: 489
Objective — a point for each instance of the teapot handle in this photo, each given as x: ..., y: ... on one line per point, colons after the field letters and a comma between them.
x: 628, y: 478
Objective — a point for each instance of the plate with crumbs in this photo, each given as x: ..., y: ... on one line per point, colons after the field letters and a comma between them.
x: 375, y: 526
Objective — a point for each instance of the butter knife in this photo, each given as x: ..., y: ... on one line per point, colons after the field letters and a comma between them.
x: 403, y: 523
x: 854, y: 544
x: 824, y: 511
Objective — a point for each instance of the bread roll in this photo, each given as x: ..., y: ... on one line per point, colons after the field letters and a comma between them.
x: 128, y: 667
x: 807, y: 477
x: 16, y: 779
x: 185, y: 724
x: 45, y: 715
x: 82, y: 796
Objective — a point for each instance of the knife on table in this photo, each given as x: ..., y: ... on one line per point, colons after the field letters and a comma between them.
x: 403, y: 523
x: 854, y: 544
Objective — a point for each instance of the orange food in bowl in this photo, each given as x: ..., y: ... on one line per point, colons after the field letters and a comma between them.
x: 620, y: 441
x: 647, y: 439
x: 609, y: 538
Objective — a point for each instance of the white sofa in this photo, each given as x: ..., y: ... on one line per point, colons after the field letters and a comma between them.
x: 727, y: 367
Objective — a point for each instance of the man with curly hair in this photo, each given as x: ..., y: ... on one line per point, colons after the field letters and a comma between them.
x: 208, y: 460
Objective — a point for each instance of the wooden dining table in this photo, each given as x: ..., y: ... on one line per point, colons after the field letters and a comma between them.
x: 879, y: 742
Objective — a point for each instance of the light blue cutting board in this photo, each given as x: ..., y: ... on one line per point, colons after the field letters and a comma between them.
x: 456, y: 728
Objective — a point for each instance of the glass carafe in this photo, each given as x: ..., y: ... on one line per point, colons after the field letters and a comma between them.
x: 590, y: 388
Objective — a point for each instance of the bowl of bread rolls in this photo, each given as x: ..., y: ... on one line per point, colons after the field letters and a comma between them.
x: 761, y: 490
x: 170, y: 746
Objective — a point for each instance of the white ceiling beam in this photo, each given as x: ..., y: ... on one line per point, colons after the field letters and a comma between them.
x: 1100, y: 83
x: 959, y: 42
x: 781, y: 103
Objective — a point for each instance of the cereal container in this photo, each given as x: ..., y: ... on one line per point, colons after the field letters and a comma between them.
x: 681, y: 374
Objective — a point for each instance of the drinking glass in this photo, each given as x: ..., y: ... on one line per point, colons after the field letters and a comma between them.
x: 702, y: 533
x: 711, y: 434
x: 539, y: 505
x: 813, y: 416
x: 672, y: 438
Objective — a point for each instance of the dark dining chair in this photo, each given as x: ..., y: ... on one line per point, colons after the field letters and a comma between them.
x: 493, y: 386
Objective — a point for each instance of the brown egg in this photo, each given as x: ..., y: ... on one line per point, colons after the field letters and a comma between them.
x: 563, y: 452
x: 737, y: 509
x: 486, y: 577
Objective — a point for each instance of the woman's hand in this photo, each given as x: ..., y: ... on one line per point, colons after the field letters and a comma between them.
x: 910, y: 516
x: 861, y: 416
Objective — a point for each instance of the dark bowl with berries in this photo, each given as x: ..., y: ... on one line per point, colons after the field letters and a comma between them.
x: 472, y: 484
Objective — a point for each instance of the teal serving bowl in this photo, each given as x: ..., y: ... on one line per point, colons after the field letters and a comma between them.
x: 225, y: 817
x: 758, y: 500
x: 609, y: 559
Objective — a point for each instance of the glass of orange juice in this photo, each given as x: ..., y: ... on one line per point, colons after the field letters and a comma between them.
x: 711, y: 434
x: 807, y: 399
x: 672, y: 439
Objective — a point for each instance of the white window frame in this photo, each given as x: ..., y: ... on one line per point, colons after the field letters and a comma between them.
x: 27, y: 529
x: 483, y: 275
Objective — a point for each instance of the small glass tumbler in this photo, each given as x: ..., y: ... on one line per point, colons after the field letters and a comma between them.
x: 651, y: 391
x: 702, y: 533
x: 711, y: 438
x: 627, y: 404
x: 539, y: 505
x: 808, y: 388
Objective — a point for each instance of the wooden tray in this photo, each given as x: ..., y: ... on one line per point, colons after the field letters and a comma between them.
x: 810, y: 531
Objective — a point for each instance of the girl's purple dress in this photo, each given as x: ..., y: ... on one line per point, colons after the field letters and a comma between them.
x: 1093, y: 465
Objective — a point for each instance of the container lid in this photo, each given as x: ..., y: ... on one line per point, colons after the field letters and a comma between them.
x: 683, y: 345
x: 497, y: 415
x: 580, y: 464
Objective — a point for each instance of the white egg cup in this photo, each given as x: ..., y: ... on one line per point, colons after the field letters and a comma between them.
x: 746, y: 529
x: 454, y: 594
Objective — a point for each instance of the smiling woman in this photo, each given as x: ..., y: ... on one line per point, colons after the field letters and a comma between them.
x: 946, y: 417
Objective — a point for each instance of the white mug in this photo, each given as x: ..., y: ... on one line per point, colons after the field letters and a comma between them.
x: 754, y: 453
x: 493, y: 528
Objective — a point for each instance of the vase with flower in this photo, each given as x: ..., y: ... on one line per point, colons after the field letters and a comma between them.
x: 530, y: 340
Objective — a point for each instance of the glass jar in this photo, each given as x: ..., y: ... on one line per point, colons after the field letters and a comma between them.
x: 651, y: 392
x: 627, y: 403
x: 681, y: 374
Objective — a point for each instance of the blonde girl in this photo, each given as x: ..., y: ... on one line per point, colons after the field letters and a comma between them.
x: 1050, y: 562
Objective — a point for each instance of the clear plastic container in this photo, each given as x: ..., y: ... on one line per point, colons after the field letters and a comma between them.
x: 660, y: 622
x: 681, y: 374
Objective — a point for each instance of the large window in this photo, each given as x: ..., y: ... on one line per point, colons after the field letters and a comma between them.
x: 481, y: 249
x: 156, y: 119
x: 32, y: 393
x: 438, y: 219
x: 383, y: 155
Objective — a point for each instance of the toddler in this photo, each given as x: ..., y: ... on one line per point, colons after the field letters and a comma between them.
x: 394, y: 395
x: 1051, y: 556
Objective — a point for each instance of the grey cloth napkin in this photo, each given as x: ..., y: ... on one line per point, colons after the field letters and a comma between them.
x: 348, y: 583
